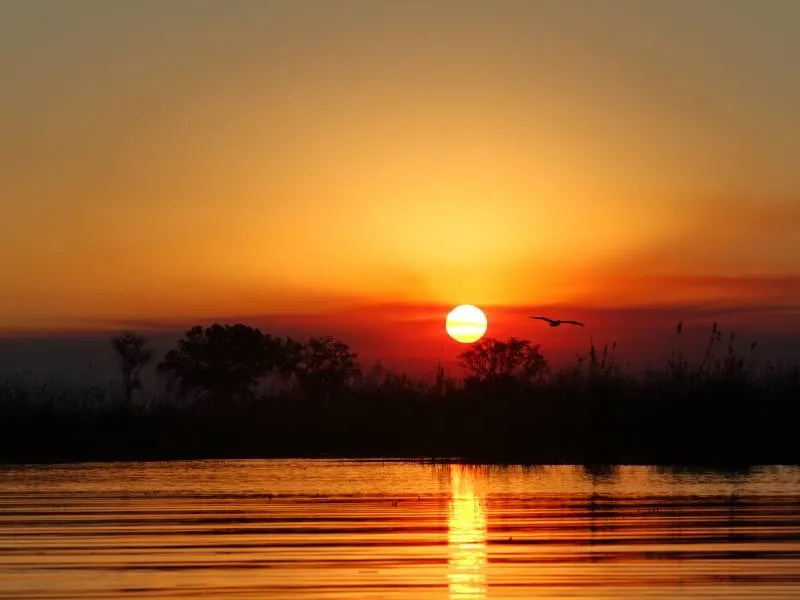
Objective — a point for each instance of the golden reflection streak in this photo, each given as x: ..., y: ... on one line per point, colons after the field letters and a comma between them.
x: 467, y: 533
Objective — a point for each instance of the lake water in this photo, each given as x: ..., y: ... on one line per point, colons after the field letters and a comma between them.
x: 373, y: 529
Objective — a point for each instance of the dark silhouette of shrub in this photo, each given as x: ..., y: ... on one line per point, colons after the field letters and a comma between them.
x: 323, y: 366
x: 224, y: 361
x: 490, y: 359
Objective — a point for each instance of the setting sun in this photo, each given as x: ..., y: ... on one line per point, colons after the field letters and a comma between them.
x: 466, y: 323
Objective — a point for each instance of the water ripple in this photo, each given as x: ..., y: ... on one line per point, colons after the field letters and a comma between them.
x: 389, y: 529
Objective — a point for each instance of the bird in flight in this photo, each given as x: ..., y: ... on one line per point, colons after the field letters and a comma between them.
x: 557, y: 322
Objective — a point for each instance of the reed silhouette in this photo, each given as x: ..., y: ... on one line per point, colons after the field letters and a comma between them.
x: 233, y: 391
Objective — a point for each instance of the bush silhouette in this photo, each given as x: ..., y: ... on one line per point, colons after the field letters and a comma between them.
x: 223, y: 360
x: 491, y: 359
x: 323, y: 366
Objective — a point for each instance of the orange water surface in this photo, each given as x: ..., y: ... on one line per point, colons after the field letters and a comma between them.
x: 247, y: 529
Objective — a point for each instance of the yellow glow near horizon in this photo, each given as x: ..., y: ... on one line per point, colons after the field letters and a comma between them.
x: 466, y: 323
x: 289, y: 157
x: 467, y: 534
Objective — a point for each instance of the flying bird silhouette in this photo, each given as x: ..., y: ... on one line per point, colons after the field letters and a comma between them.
x: 557, y: 322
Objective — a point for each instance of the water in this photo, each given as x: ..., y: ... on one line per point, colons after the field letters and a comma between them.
x: 372, y: 529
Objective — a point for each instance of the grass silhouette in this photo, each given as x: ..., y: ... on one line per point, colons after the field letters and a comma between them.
x: 727, y: 408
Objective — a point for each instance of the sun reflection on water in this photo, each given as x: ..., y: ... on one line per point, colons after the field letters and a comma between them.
x: 467, y: 532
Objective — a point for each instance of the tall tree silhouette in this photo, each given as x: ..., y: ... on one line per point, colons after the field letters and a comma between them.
x: 222, y: 360
x: 324, y: 365
x: 132, y: 356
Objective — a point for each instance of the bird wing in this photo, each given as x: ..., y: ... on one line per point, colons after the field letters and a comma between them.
x: 544, y: 319
x: 578, y: 323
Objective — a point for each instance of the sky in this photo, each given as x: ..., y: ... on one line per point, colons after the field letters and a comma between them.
x: 360, y: 167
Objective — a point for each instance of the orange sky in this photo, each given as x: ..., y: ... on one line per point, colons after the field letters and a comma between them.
x: 161, y: 163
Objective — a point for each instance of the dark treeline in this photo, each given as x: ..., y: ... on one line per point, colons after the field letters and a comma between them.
x: 233, y: 391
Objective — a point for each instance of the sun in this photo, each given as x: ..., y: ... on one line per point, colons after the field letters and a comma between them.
x: 466, y: 323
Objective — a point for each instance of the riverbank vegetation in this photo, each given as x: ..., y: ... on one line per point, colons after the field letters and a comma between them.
x: 233, y: 391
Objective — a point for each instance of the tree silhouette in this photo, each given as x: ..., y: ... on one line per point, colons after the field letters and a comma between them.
x: 132, y: 356
x: 492, y: 359
x: 223, y: 360
x: 324, y: 365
